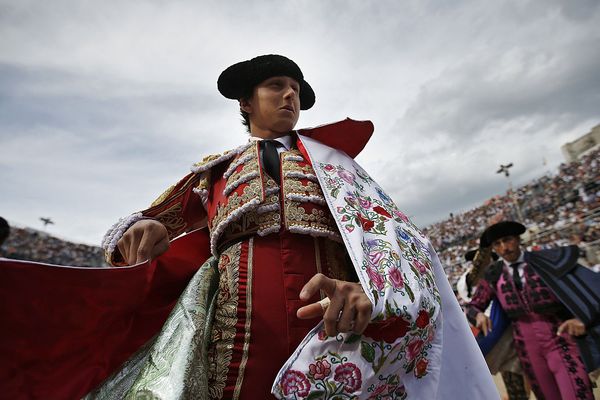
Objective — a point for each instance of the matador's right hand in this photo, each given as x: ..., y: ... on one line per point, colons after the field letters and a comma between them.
x: 144, y: 240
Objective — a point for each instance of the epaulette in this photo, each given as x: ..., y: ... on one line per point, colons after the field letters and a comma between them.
x: 214, y: 159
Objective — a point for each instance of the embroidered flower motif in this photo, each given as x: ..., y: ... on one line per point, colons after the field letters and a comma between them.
x: 396, y: 278
x: 320, y: 370
x: 345, y: 218
x: 347, y: 176
x: 419, y: 266
x: 350, y: 228
x: 401, y: 234
x: 375, y: 257
x: 364, y: 203
x: 400, y: 215
x: 378, y: 390
x: 384, y: 197
x: 350, y: 199
x: 422, y: 319
x: 295, y: 382
x: 388, y: 330
x: 340, y: 209
x: 322, y: 336
x: 376, y: 279
x: 421, y: 368
x: 414, y: 349
x: 365, y: 223
x: 349, y: 376
x: 382, y: 211
x: 328, y: 167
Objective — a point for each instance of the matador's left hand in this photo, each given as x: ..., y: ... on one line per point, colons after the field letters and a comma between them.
x: 349, y: 308
x: 573, y: 327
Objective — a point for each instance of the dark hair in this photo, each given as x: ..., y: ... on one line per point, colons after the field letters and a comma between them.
x: 245, y: 116
x: 245, y: 119
x: 4, y: 230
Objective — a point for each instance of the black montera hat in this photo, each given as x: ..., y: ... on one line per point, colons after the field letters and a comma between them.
x: 470, y: 255
x: 500, y: 230
x: 238, y: 80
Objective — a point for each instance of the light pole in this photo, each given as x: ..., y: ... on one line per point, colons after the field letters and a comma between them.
x: 504, y: 169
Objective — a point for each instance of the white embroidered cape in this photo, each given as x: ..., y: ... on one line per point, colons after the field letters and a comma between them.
x: 420, y: 346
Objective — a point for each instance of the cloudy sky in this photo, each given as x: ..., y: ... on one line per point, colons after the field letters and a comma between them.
x: 104, y: 104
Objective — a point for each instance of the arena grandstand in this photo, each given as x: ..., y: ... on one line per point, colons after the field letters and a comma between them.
x: 559, y: 209
x: 34, y: 245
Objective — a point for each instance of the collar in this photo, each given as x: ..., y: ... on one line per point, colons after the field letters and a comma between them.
x: 286, y: 140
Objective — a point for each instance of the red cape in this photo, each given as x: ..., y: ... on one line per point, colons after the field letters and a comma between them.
x: 66, y: 329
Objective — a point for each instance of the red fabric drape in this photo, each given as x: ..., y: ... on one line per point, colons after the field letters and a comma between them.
x: 66, y: 329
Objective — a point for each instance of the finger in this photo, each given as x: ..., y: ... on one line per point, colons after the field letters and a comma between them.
x: 143, y: 250
x: 313, y: 310
x: 363, y: 316
x: 345, y: 321
x: 330, y: 318
x: 316, y: 283
x: 132, y: 252
x: 160, y: 248
x: 484, y: 327
x: 123, y: 246
x: 561, y: 328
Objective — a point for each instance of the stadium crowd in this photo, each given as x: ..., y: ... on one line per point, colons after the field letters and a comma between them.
x: 559, y: 209
x: 33, y: 245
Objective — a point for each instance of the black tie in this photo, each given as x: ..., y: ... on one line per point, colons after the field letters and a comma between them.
x: 516, y: 276
x: 270, y: 158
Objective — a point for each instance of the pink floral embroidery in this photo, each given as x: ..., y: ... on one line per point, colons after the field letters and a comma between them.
x: 420, y: 266
x: 322, y: 336
x: 348, y: 375
x: 375, y: 257
x: 350, y: 200
x: 329, y: 167
x: 347, y: 176
x: 396, y: 278
x: 375, y: 278
x: 414, y: 349
x: 364, y: 203
x: 295, y: 382
x: 401, y: 215
x: 320, y: 370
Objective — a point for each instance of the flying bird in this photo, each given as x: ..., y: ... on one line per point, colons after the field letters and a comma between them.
x: 504, y: 168
x: 47, y: 221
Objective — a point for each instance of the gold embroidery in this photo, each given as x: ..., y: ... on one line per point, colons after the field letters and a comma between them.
x: 297, y: 187
x: 252, y: 190
x: 210, y: 158
x: 204, y: 182
x: 163, y: 196
x: 223, y: 334
x: 244, y: 360
x: 172, y: 218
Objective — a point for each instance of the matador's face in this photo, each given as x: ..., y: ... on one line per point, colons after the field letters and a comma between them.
x: 274, y: 107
